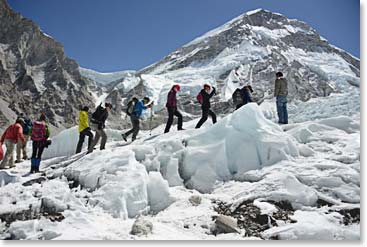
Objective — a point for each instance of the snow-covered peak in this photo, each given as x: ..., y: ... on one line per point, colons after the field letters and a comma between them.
x: 252, y: 12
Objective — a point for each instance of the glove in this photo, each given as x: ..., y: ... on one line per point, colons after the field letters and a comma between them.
x: 214, y: 90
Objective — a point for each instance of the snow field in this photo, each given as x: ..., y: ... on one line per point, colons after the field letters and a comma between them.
x: 243, y: 157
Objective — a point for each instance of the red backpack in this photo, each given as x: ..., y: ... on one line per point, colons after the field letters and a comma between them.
x: 200, y: 98
x: 38, y: 131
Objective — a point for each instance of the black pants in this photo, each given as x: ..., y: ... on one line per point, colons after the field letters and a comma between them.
x: 204, y: 117
x: 172, y: 111
x: 136, y: 127
x: 37, y: 149
x: 239, y: 106
x: 82, y: 135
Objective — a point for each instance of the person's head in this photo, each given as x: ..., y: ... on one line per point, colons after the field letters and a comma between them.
x: 135, y: 99
x: 108, y: 106
x: 146, y: 100
x: 279, y: 74
x: 176, y: 87
x: 248, y: 88
x: 21, y: 115
x: 42, y: 117
x: 207, y: 87
x: 20, y: 121
x: 85, y: 108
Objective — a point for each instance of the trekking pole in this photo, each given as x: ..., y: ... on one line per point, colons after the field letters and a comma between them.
x: 151, y: 119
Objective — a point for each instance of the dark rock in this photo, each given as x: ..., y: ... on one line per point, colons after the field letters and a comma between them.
x: 38, y: 180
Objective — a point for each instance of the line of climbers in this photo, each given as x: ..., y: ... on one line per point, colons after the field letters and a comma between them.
x: 19, y: 133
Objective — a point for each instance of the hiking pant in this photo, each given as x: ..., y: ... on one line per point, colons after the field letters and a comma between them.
x: 86, y: 132
x: 282, y: 109
x: 8, y: 157
x: 37, y: 149
x: 204, y: 117
x: 99, y: 133
x: 136, y: 127
x: 172, y: 111
x: 22, y: 148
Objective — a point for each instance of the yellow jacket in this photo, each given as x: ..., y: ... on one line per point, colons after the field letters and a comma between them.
x: 83, y: 120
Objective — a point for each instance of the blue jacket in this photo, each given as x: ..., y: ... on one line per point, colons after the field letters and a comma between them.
x: 138, y: 109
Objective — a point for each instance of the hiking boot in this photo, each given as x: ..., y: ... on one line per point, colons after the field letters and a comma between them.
x: 124, y: 137
x: 181, y: 129
x: 18, y: 161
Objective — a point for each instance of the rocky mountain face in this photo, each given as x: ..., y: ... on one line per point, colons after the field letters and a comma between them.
x: 249, y: 49
x: 35, y: 74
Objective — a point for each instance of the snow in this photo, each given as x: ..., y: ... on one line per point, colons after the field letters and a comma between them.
x: 307, y: 221
x: 331, y: 65
x: 251, y: 12
x: 211, y: 156
x: 275, y: 34
x: 104, y: 78
x: 245, y: 156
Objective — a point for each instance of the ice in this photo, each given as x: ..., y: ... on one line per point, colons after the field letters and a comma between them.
x: 314, y: 225
x: 158, y: 193
x: 238, y: 143
x: 244, y: 157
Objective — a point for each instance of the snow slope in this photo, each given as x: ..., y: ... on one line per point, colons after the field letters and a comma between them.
x: 305, y: 163
x: 104, y: 78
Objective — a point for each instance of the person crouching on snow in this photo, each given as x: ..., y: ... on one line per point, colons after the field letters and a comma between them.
x: 135, y: 116
x: 172, y: 109
x: 84, y: 129
x: 12, y: 135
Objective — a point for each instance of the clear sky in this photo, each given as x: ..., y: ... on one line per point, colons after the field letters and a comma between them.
x: 114, y: 35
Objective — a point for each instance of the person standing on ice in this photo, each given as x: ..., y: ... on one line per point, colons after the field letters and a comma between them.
x: 22, y: 147
x: 172, y: 109
x: 135, y: 116
x: 98, y: 123
x: 84, y: 129
x: 40, y: 133
x: 281, y: 93
x: 12, y: 135
x: 204, y: 98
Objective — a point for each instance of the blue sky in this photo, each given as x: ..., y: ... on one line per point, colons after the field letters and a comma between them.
x: 113, y: 35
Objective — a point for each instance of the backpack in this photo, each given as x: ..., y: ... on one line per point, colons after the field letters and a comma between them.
x: 38, y: 131
x: 237, y: 97
x: 130, y: 106
x: 199, y: 98
x: 27, y: 126
x: 98, y: 113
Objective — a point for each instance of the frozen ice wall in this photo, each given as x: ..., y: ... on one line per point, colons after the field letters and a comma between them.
x: 243, y: 141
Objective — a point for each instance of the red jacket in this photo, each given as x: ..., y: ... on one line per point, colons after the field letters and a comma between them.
x: 171, y: 99
x: 14, y: 132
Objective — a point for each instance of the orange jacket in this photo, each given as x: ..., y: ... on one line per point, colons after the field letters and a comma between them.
x: 14, y: 132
